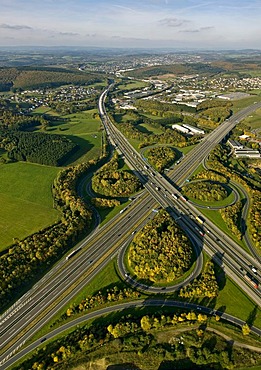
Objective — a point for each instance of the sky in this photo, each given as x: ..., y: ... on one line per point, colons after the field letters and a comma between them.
x: 185, y: 24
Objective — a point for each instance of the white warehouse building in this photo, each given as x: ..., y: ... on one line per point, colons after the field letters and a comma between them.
x: 180, y: 128
x: 195, y: 130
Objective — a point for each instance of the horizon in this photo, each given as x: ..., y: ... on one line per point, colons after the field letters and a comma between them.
x: 126, y: 48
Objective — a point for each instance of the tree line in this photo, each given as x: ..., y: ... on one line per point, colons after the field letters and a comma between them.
x: 102, y: 297
x: 139, y: 337
x: 210, y: 175
x: 169, y: 136
x: 10, y: 119
x: 218, y: 161
x: 232, y: 217
x: 208, y: 114
x: 25, y: 258
x: 20, y: 265
x: 37, y: 147
x: 64, y: 108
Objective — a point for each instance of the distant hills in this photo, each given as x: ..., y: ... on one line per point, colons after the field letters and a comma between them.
x: 42, y: 77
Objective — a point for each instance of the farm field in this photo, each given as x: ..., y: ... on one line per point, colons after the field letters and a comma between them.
x: 83, y: 129
x: 26, y: 200
x: 254, y: 120
x: 25, y: 188
x: 132, y: 85
x: 243, y: 103
x: 146, y: 127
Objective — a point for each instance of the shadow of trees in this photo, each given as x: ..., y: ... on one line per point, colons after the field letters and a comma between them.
x: 252, y: 316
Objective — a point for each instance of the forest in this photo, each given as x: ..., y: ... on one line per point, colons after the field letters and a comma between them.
x: 232, y: 217
x: 205, y: 191
x: 161, y: 157
x: 204, y: 286
x: 111, y: 182
x: 176, y: 69
x: 37, y: 147
x: 160, y: 251
x: 142, y: 340
x: 30, y: 78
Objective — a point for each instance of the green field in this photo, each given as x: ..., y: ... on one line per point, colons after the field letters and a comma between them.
x: 132, y: 85
x: 243, y: 103
x: 25, y: 188
x: 217, y: 219
x: 235, y: 302
x: 82, y: 129
x: 254, y: 121
x: 148, y: 128
x: 26, y: 200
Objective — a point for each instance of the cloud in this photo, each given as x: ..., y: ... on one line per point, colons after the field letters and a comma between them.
x: 91, y: 35
x: 173, y: 22
x: 125, y: 8
x: 207, y: 28
x: 116, y: 37
x: 68, y: 33
x: 196, y: 30
x: 15, y: 27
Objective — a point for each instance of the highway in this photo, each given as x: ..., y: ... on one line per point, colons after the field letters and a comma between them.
x: 245, y: 211
x: 216, y: 239
x: 104, y: 242
x: 159, y: 303
x: 65, y: 273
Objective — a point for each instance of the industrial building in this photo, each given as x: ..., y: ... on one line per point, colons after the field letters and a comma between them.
x: 194, y: 130
x: 180, y: 128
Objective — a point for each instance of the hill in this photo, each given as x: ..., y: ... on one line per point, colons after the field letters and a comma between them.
x: 41, y: 77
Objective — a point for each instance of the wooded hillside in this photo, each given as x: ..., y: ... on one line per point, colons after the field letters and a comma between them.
x: 25, y: 78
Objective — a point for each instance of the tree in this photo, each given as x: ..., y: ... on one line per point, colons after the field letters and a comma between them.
x: 246, y: 329
x: 145, y: 323
x: 202, y: 317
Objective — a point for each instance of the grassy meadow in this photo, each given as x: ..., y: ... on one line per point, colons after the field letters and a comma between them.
x: 26, y: 200
x: 82, y: 128
x: 243, y: 103
x: 254, y: 120
x: 25, y: 188
x: 132, y: 85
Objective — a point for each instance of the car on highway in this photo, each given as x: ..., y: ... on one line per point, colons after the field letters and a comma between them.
x: 253, y: 269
